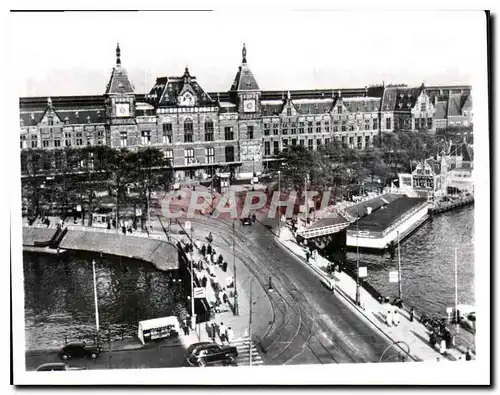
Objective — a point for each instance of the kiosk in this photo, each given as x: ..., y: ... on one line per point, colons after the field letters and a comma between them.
x: 157, y: 328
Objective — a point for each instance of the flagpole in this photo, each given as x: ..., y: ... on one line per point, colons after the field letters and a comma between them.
x: 456, y: 289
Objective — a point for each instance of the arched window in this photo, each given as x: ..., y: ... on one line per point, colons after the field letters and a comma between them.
x: 209, y: 130
x: 188, y: 131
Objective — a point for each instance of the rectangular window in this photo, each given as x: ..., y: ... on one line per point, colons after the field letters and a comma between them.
x: 284, y: 129
x: 429, y: 123
x: 267, y: 148
x: 327, y: 141
x: 309, y: 127
x: 267, y: 129
x: 45, y: 143
x: 250, y: 132
x: 375, y: 124
x: 167, y: 133
x: 388, y: 123
x: 209, y: 131
x: 34, y: 143
x: 301, y: 127
x: 294, y: 142
x: 210, y: 155
x: 318, y: 143
x: 335, y: 128
x: 294, y: 128
x: 146, y: 137
x: 288, y: 112
x: 360, y: 142
x: 276, y: 147
x: 310, y: 143
x: 276, y: 129
x: 285, y: 143
x: 367, y: 141
x: 327, y: 129
x: 228, y: 133
x: 422, y: 107
x: 188, y: 136
x: 67, y: 142
x: 229, y: 151
x: 189, y: 156
x: 367, y: 124
x: 169, y: 156
x: 318, y: 127
x: 123, y: 139
x: 301, y: 142
x: 57, y: 142
x: 351, y: 141
x: 339, y: 109
x: 50, y: 121
x: 344, y: 126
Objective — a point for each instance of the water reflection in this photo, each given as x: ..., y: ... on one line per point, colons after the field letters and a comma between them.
x: 59, y: 297
x: 428, y: 264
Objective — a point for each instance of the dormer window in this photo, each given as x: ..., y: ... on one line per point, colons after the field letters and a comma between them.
x: 66, y: 120
x: 88, y: 118
x: 50, y: 120
x: 120, y: 85
x: 400, y: 105
x: 77, y: 114
x: 32, y: 116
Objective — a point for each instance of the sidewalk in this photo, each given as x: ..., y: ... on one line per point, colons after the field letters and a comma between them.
x: 413, y: 333
x: 262, y: 314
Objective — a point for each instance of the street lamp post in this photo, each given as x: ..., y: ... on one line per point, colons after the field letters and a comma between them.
x: 399, y: 271
x: 279, y: 207
x: 236, y: 309
x: 95, y: 302
x: 250, y: 326
x: 357, y: 262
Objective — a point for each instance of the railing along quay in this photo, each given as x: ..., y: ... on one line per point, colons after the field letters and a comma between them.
x: 448, y: 206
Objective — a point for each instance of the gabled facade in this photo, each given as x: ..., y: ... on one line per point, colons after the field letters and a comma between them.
x: 236, y: 131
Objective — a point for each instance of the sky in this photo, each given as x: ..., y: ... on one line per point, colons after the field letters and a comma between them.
x: 74, y: 53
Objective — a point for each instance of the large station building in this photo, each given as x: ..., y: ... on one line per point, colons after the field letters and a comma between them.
x: 237, y: 131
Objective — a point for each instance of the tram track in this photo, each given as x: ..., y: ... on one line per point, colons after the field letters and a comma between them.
x: 322, y: 347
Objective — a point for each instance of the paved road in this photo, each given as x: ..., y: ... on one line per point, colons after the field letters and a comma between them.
x: 152, y: 357
x: 311, y: 325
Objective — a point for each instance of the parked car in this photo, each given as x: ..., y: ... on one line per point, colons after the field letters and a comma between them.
x: 206, y: 353
x: 57, y: 366
x: 246, y: 221
x: 79, y: 350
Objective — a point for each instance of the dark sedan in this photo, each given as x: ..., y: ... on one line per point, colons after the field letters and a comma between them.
x: 79, y: 350
x: 206, y: 353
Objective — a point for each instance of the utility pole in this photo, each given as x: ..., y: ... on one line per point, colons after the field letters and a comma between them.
x: 305, y: 200
x: 236, y: 310
x: 95, y: 302
x: 456, y: 290
x: 279, y: 207
x: 399, y: 271
x: 357, y: 263
x: 191, y: 253
x: 250, y: 328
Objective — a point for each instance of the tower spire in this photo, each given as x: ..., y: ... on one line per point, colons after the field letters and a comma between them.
x: 118, y: 60
x: 244, y: 54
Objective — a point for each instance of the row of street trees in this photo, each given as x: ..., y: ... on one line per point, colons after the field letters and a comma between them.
x: 337, y: 167
x: 69, y: 177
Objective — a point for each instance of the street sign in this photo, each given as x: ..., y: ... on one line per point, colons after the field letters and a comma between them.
x: 187, y: 225
x: 363, y: 272
x: 394, y: 276
x: 79, y: 208
x: 449, y: 310
x: 199, y: 293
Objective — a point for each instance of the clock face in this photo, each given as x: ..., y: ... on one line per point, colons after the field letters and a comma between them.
x: 249, y: 105
x: 122, y: 110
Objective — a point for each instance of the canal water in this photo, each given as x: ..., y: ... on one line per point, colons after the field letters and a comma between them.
x: 428, y: 264
x: 59, y: 297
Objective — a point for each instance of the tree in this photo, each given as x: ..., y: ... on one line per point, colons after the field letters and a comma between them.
x: 36, y: 164
x: 296, y: 164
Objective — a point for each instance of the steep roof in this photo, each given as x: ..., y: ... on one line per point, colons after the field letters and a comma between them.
x: 167, y: 89
x: 362, y: 104
x: 466, y: 102
x: 441, y: 110
x: 244, y: 80
x: 454, y: 105
x: 400, y: 98
x: 119, y: 82
x: 389, y: 99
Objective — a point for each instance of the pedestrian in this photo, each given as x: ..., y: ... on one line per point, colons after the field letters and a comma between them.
x: 388, y: 318
x: 185, y: 327
x: 203, y: 250
x: 188, y: 323
x: 204, y: 281
x: 214, y: 330
x: 468, y: 355
x: 307, y: 256
x: 254, y: 218
x: 224, y: 266
x: 412, y: 312
x: 220, y: 260
x: 442, y: 348
x: 432, y: 339
x: 221, y: 296
x: 225, y: 298
x: 229, y: 335
x: 395, y: 317
x: 209, y: 249
x: 222, y: 332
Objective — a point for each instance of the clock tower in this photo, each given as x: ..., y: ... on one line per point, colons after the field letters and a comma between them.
x: 120, y: 107
x: 245, y: 93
